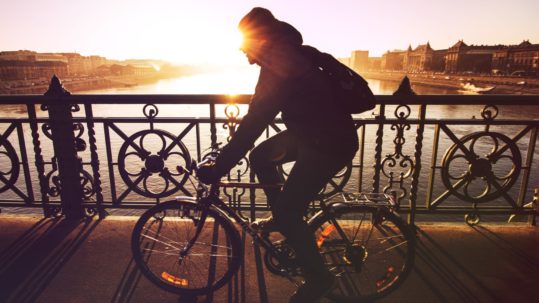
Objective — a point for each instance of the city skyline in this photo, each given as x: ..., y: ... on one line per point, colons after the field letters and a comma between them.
x: 188, y: 32
x: 518, y: 60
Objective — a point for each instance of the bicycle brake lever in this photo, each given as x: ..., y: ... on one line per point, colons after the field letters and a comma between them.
x: 214, y: 147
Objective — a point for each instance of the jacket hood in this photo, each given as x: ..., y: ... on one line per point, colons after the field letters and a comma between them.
x: 260, y: 23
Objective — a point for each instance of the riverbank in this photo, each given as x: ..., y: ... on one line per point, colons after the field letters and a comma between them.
x: 423, y: 83
x: 464, y: 82
x: 76, y: 85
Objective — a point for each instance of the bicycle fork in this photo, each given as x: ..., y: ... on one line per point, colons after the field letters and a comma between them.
x: 200, y: 224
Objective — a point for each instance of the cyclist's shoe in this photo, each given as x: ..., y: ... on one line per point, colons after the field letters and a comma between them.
x: 265, y: 225
x: 313, y: 290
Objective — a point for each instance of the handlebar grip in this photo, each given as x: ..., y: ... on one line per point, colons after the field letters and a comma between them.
x: 196, y: 166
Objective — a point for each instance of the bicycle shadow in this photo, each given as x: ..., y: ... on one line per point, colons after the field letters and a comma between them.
x: 462, y: 282
x: 249, y: 278
x: 30, y: 263
x: 524, y: 259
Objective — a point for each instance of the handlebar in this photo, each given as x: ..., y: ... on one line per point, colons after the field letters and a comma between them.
x: 208, y: 158
x: 196, y: 166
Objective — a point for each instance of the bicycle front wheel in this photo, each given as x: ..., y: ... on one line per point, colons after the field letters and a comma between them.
x: 160, y: 248
x: 369, y: 249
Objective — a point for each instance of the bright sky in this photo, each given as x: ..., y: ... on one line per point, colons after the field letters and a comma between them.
x: 205, y: 31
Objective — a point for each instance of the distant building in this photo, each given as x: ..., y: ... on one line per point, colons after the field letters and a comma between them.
x: 438, y: 60
x: 522, y: 59
x: 51, y: 57
x: 76, y: 64
x: 29, y: 65
x: 143, y: 70
x: 79, y: 65
x: 415, y: 60
x: 375, y: 63
x: 28, y: 70
x: 519, y: 59
x: 131, y: 70
x: 21, y: 55
x: 359, y: 60
x: 95, y: 62
x: 392, y: 60
x: 423, y: 58
x: 24, y: 64
x: 474, y: 58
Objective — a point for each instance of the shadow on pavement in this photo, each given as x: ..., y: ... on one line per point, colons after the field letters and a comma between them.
x: 234, y: 291
x: 444, y: 266
x: 31, y: 262
x: 525, y: 258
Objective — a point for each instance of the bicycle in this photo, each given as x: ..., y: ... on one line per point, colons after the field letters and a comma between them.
x: 190, y: 246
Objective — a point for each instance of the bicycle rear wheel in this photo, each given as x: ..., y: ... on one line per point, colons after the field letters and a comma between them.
x: 369, y: 249
x: 163, y: 232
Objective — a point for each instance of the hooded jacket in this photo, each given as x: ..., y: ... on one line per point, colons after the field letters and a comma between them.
x: 291, y: 85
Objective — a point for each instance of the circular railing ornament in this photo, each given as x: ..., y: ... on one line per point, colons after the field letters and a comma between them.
x: 489, y: 112
x: 148, y: 163
x: 150, y: 111
x: 90, y: 212
x: 56, y: 211
x: 478, y: 178
x: 232, y: 111
x: 472, y: 218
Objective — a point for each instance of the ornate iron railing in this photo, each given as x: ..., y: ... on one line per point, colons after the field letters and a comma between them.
x: 439, y: 155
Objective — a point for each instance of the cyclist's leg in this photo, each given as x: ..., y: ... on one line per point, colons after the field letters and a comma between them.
x: 310, y: 173
x: 265, y: 158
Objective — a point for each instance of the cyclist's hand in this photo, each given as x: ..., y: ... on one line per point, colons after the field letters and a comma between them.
x: 208, y: 173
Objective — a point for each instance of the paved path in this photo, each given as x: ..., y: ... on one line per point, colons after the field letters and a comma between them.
x: 45, y: 260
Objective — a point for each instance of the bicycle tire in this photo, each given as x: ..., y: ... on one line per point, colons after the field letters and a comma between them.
x: 375, y: 259
x: 163, y: 230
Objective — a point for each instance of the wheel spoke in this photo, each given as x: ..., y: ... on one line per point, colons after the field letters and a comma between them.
x: 385, y: 239
x: 160, y: 241
x: 390, y: 248
x: 184, y: 243
x: 172, y: 266
x: 378, y: 258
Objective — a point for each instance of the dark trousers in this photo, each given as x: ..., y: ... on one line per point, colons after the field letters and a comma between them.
x: 311, y: 172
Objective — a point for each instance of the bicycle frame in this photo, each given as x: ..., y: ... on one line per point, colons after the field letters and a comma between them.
x: 209, y: 197
x: 213, y: 200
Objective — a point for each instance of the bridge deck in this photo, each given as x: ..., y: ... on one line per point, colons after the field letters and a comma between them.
x: 43, y: 260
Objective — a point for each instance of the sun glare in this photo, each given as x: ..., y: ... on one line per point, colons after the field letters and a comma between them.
x: 226, y: 46
x: 205, y: 45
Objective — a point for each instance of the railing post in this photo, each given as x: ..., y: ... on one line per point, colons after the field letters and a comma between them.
x: 406, y: 92
x: 69, y: 164
x: 213, y: 128
x: 417, y: 160
x: 378, y: 149
x: 40, y: 165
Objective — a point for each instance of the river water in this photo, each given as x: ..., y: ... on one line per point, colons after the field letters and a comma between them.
x: 232, y: 82
x: 243, y: 82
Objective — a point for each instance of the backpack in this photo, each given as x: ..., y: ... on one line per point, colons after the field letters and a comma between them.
x: 350, y: 90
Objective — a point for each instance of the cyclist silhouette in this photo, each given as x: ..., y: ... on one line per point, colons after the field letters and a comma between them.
x: 320, y: 137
